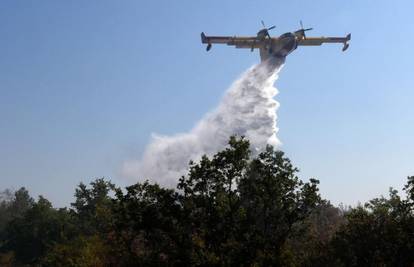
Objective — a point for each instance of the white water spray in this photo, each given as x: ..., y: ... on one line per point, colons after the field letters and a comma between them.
x: 247, y: 109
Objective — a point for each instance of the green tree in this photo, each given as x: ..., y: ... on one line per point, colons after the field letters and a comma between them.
x: 147, y: 226
x: 80, y: 251
x: 211, y: 204
x: 90, y: 243
x: 380, y: 233
x: 92, y: 206
x: 274, y: 199
x: 13, y: 205
x: 40, y: 227
x: 241, y: 211
x: 309, y: 243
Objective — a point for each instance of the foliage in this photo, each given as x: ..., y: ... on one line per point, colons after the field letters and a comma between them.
x: 31, y: 235
x: 13, y: 205
x: 380, y: 233
x: 81, y: 251
x: 92, y: 205
x: 146, y: 225
x: 231, y: 209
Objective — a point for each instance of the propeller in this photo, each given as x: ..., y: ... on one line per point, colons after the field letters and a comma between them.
x: 268, y: 29
x: 303, y: 30
x: 264, y: 30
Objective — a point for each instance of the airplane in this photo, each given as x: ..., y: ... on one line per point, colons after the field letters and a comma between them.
x: 274, y: 46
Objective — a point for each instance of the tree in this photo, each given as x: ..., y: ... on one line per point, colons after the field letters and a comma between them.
x: 211, y: 204
x: 309, y: 243
x: 81, y: 251
x: 13, y: 205
x: 380, y: 233
x: 38, y: 229
x: 6, y: 199
x: 231, y: 209
x: 274, y: 199
x: 241, y: 211
x: 92, y: 206
x: 147, y: 226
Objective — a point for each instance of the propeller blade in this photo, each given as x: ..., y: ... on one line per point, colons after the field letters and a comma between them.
x: 271, y: 28
x: 309, y: 29
x: 263, y: 24
x: 301, y: 24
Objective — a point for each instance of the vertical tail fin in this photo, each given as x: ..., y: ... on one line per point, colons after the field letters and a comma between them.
x: 203, y: 38
x: 346, y: 44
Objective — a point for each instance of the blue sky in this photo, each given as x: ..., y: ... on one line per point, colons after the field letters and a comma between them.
x: 83, y: 85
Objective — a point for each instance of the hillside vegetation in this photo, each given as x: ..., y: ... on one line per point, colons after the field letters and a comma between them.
x: 231, y: 209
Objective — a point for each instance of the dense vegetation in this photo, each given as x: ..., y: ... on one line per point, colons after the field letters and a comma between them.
x: 230, y: 210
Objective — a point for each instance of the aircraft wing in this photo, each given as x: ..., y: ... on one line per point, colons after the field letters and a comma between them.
x: 309, y: 41
x: 238, y: 42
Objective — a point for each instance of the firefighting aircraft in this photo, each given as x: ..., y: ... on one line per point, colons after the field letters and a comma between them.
x: 274, y: 46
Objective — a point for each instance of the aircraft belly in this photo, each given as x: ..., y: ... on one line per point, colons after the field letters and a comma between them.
x: 278, y: 48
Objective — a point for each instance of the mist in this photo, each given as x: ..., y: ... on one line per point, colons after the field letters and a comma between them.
x: 248, y: 108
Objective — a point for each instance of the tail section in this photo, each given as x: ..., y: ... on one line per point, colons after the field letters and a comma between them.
x: 204, y: 40
x: 346, y: 44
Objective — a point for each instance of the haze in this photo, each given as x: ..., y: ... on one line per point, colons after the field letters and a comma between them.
x: 84, y: 84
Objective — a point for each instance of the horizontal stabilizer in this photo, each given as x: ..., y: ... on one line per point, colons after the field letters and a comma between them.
x: 346, y: 45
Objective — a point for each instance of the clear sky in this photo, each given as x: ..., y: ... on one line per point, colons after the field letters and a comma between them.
x: 83, y: 84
